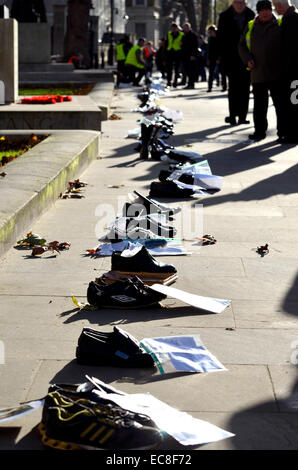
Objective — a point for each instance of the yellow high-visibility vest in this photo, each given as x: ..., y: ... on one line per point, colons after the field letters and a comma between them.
x: 174, y: 43
x: 131, y: 58
x: 250, y: 25
x: 120, y: 54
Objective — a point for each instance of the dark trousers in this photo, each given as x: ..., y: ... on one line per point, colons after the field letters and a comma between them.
x: 191, y: 70
x: 173, y: 61
x: 131, y: 72
x: 238, y: 92
x: 211, y: 69
x: 261, y: 98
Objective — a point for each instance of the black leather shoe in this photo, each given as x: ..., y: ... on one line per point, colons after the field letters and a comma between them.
x: 257, y: 137
x: 243, y: 121
x: 230, y: 120
x: 140, y: 263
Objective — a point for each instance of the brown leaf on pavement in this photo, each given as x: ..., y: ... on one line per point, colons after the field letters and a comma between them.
x: 38, y: 250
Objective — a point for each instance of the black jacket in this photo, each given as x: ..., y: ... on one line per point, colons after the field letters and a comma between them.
x: 189, y: 45
x: 289, y: 44
x: 228, y: 35
x: 212, y: 49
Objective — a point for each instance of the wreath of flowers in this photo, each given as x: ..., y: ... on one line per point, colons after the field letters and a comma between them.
x: 46, y: 99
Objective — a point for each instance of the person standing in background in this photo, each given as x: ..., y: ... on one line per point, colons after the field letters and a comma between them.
x: 231, y: 25
x: 212, y: 55
x: 173, y: 54
x: 260, y: 50
x: 189, y: 52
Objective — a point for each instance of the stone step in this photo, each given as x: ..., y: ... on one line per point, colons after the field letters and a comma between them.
x: 34, y: 181
x: 52, y: 67
x: 80, y: 113
x: 86, y: 76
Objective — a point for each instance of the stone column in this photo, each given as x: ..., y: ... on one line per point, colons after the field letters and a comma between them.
x: 9, y: 55
x: 59, y: 29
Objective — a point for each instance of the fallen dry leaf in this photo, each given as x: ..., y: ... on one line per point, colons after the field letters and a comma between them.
x: 3, y: 174
x: 38, y: 250
x: 207, y: 240
x: 93, y: 252
x: 114, y: 117
x: 263, y: 249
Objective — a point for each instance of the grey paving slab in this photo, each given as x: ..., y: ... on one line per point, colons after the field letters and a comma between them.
x: 254, y: 430
x: 265, y: 314
x: 285, y: 382
x: 233, y: 390
x: 250, y: 346
x: 15, y: 379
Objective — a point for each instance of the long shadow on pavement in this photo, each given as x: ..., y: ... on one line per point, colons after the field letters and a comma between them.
x: 111, y: 316
x: 255, y: 429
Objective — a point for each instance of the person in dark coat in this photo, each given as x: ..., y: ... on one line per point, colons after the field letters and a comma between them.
x: 289, y: 51
x: 260, y: 50
x: 160, y: 58
x: 189, y: 52
x: 231, y: 25
x: 212, y: 55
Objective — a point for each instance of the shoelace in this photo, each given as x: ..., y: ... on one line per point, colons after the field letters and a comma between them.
x: 109, y: 414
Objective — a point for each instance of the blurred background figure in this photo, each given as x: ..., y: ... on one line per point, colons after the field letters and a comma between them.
x: 231, y: 25
x: 173, y: 54
x: 189, y: 53
x: 160, y: 58
x: 135, y: 63
x: 212, y: 56
x: 149, y: 54
x: 121, y: 53
x: 202, y: 60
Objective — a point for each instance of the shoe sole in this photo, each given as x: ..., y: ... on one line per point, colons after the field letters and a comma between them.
x: 145, y: 274
x: 62, y: 445
x: 129, y: 307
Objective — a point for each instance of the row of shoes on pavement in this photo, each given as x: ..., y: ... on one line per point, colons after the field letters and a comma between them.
x: 152, y: 144
x: 82, y: 416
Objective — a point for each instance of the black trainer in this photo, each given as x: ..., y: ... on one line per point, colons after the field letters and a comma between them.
x: 141, y: 264
x: 124, y: 227
x: 158, y: 207
x: 124, y: 340
x: 71, y: 394
x: 124, y: 293
x: 117, y: 349
x: 169, y: 189
x: 87, y: 425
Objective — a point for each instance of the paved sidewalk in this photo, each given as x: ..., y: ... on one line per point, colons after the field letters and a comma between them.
x: 255, y: 338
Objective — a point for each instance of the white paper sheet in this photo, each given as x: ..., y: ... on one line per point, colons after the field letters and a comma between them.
x: 173, y: 247
x: 9, y: 414
x: 181, y: 426
x: 181, y: 353
x: 205, y: 303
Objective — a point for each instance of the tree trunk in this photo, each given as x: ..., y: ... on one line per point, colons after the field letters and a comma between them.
x: 205, y: 12
x: 190, y: 11
x: 77, y: 34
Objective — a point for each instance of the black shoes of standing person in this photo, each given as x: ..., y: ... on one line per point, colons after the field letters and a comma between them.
x: 257, y: 137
